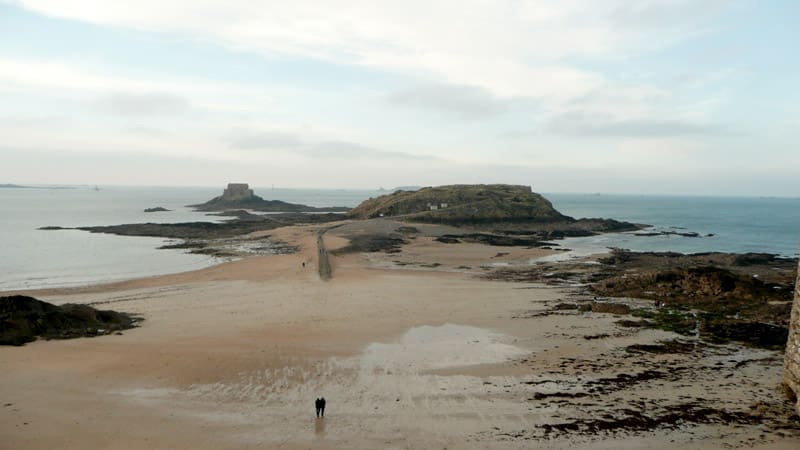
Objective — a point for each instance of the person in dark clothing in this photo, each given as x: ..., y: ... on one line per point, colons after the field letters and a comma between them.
x: 322, y: 406
x: 318, y: 406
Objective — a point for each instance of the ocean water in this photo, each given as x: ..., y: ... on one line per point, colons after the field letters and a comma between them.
x: 32, y: 258
x: 738, y: 224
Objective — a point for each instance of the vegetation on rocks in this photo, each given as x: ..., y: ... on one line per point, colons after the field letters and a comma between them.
x: 462, y: 203
x: 508, y: 209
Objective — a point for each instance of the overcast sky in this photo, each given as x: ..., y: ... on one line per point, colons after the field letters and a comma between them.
x: 661, y: 96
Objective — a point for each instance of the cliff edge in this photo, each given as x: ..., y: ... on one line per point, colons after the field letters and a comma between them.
x: 791, y: 373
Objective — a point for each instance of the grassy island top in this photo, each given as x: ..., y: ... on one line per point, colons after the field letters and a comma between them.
x: 463, y: 203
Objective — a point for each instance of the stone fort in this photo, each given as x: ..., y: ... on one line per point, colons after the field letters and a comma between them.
x: 237, y: 191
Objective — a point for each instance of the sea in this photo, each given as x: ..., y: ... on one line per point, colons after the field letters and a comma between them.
x: 31, y: 258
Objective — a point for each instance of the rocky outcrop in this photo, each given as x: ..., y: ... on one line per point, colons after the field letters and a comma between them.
x: 462, y: 204
x: 791, y: 374
x: 156, y: 209
x: 503, y: 208
x: 695, y: 285
x: 23, y: 319
x: 240, y: 196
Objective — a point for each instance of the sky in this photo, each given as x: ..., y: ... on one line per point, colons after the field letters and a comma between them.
x: 679, y: 97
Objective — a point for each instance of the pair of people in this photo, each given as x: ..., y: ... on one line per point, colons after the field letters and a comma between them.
x: 320, y: 406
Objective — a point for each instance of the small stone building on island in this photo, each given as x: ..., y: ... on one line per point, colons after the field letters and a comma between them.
x: 237, y: 191
x: 791, y: 374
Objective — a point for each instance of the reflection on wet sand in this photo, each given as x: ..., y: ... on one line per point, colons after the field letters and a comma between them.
x: 319, y: 427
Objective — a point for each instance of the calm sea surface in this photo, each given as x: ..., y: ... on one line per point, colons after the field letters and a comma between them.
x: 31, y: 258
x: 738, y: 224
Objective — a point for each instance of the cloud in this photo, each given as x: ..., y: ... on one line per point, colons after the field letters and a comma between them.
x: 590, y: 125
x: 508, y: 48
x: 467, y: 102
x: 146, y: 104
x: 145, y: 131
x: 64, y: 79
x: 313, y: 147
x: 32, y: 121
x: 265, y: 140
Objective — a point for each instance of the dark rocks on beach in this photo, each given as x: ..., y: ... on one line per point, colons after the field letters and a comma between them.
x: 207, y: 230
x: 23, y: 319
x: 664, y: 347
x: 690, y: 234
x: 610, y: 308
x: 711, y: 288
x: 372, y: 243
x: 492, y: 239
x: 719, y: 297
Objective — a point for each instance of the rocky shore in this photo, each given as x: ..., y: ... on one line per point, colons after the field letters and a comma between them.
x: 720, y: 297
x: 23, y: 319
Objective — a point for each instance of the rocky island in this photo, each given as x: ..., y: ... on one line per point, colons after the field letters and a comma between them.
x: 501, y: 207
x: 240, y: 196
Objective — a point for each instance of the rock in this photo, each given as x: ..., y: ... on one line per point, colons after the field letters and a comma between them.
x: 611, y: 308
x: 23, y: 319
x: 156, y: 209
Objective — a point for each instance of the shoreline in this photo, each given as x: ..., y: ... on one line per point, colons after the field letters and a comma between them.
x: 412, y: 348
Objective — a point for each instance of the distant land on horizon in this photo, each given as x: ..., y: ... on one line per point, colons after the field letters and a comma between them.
x: 394, y: 189
x: 19, y: 186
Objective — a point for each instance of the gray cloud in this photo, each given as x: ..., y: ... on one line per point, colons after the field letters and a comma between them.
x: 147, y: 104
x: 325, y: 149
x: 467, y: 102
x: 266, y: 140
x: 587, y: 125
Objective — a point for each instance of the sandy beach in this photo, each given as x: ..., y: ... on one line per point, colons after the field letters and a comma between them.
x: 412, y: 349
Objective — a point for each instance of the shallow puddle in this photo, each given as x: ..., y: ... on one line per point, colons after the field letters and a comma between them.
x: 426, y: 348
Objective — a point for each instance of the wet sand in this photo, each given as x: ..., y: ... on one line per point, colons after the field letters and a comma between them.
x: 411, y: 350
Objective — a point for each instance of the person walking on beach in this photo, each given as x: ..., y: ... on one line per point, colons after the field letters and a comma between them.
x: 318, y: 406
x: 322, y: 406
